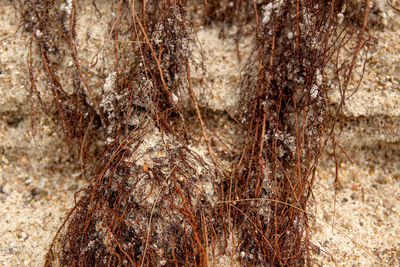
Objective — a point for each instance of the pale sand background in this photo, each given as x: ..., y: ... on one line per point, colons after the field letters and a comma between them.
x: 38, y: 177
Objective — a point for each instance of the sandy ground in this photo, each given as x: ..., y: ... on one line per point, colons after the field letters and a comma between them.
x: 357, y: 226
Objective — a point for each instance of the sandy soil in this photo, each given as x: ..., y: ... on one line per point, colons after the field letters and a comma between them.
x: 356, y: 226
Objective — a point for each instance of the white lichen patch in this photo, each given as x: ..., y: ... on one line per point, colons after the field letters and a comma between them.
x: 269, y: 9
x: 107, y: 102
x: 314, y: 91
